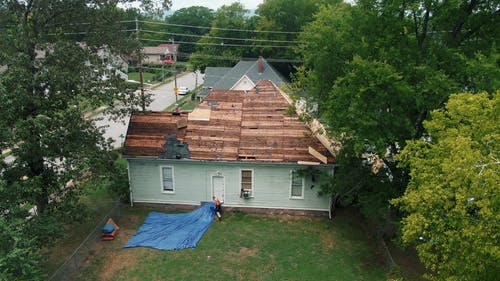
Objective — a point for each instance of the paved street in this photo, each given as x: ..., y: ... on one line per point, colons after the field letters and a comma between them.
x: 163, y: 96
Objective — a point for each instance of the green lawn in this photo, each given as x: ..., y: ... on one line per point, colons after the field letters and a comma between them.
x: 184, y: 101
x: 99, y: 203
x: 146, y: 76
x: 244, y: 247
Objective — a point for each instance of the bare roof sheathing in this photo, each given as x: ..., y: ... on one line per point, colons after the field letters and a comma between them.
x: 242, y: 126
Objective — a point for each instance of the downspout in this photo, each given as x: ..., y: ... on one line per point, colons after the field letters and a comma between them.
x: 130, y: 185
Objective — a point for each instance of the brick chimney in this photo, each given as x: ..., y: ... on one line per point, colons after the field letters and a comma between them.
x: 260, y: 64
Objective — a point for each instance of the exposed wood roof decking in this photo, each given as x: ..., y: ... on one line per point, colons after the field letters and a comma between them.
x: 146, y: 132
x: 251, y: 126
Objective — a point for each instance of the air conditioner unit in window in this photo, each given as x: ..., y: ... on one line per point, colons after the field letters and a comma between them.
x: 245, y: 193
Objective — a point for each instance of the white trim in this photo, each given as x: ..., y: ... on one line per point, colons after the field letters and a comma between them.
x: 223, y: 189
x: 291, y: 197
x: 197, y: 203
x: 131, y: 197
x: 252, y: 84
x: 252, y: 190
x: 161, y: 180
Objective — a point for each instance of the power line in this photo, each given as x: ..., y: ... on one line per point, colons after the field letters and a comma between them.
x: 204, y: 56
x: 220, y: 28
x: 223, y: 44
x: 217, y: 37
x: 237, y: 59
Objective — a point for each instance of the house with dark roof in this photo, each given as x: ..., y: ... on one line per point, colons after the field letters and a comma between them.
x: 243, y: 76
x: 240, y: 146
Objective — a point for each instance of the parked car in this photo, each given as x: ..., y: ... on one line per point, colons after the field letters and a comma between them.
x: 182, y: 90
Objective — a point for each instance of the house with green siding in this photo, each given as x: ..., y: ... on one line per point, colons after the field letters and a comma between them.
x: 240, y: 146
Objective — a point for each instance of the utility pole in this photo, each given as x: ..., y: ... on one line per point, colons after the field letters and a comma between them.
x: 143, y: 98
x: 176, y: 90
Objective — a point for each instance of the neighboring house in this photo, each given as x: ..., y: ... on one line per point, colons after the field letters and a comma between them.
x: 115, y: 64
x: 238, y: 145
x: 159, y: 54
x: 214, y: 74
x: 243, y: 76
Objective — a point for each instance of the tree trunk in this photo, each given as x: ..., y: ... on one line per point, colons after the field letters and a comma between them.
x: 334, y: 201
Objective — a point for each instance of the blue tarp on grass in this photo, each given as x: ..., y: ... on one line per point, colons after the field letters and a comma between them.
x: 173, y: 231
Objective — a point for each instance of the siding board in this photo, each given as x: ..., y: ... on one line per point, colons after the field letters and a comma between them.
x: 192, y: 183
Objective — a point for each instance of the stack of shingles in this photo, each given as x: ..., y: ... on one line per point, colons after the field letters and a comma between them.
x: 146, y: 132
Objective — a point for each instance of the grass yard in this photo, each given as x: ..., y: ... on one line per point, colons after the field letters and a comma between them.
x: 185, y: 102
x: 244, y: 247
x: 146, y: 76
x: 99, y: 204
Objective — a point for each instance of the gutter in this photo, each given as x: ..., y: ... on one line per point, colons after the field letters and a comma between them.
x: 228, y: 162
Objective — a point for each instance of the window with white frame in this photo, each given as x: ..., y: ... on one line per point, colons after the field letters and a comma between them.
x: 296, y: 185
x: 167, y: 175
x: 246, y: 183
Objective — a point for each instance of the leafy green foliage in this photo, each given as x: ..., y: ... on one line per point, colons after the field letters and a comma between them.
x: 210, y: 47
x: 151, y: 8
x: 287, y: 17
x: 55, y: 57
x: 19, y: 259
x: 376, y: 69
x: 451, y: 204
x: 192, y: 16
x: 392, y: 53
x: 118, y: 182
x: 375, y: 100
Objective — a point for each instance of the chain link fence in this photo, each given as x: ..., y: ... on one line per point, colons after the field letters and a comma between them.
x: 384, y: 251
x: 70, y: 269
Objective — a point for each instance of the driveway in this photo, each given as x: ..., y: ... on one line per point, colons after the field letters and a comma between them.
x: 163, y: 96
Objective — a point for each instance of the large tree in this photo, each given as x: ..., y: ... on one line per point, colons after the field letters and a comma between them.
x: 227, y: 40
x: 285, y: 18
x: 377, y: 68
x: 452, y: 206
x: 55, y: 58
x: 188, y: 25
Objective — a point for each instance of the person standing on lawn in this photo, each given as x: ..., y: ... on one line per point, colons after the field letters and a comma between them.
x: 217, y: 207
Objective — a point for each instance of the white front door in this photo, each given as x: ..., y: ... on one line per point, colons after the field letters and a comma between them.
x: 218, y: 187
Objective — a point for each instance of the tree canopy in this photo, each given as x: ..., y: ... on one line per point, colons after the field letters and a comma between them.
x: 376, y: 69
x: 58, y: 62
x: 428, y: 50
x: 451, y: 203
x: 225, y: 42
x: 187, y: 26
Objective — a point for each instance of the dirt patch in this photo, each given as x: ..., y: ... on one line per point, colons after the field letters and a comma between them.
x: 328, y: 242
x: 130, y: 220
x: 243, y: 253
x: 291, y: 218
x: 407, y: 260
x: 246, y: 252
x: 121, y: 259
x: 117, y: 259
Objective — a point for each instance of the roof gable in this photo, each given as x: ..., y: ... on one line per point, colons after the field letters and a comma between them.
x: 251, y: 70
x: 244, y: 83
